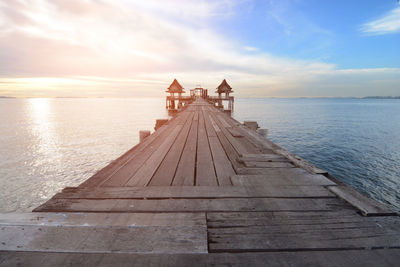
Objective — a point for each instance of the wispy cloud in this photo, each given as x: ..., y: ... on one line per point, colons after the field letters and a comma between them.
x: 130, y: 40
x: 250, y: 48
x: 136, y: 47
x: 389, y: 23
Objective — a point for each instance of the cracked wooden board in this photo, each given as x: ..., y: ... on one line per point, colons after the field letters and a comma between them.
x: 285, y: 231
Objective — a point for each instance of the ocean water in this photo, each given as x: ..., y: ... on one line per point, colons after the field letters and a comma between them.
x: 48, y: 144
x: 355, y: 140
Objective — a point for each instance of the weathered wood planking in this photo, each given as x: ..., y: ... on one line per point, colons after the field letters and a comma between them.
x: 205, y: 172
x: 367, y: 206
x: 186, y: 168
x: 103, y: 219
x: 362, y: 258
x: 263, y: 157
x: 280, y: 176
x: 224, y: 123
x: 194, y: 205
x: 268, y: 164
x: 296, y: 231
x: 130, y: 239
x: 223, y: 166
x: 147, y: 169
x: 237, y: 219
x: 228, y: 148
x: 300, y: 162
x: 104, y: 233
x: 234, y: 132
x: 238, y: 130
x: 122, y: 175
x: 120, y: 162
x: 269, y: 147
x: 257, y: 140
x: 266, y: 191
x: 166, y: 171
x: 241, y: 146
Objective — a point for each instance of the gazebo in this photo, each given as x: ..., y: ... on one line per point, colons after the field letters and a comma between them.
x: 224, y: 87
x: 174, y: 88
x: 199, y: 91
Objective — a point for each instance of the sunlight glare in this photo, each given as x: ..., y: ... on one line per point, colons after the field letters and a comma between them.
x: 43, y: 129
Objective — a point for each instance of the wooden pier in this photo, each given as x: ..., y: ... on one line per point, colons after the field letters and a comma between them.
x: 205, y: 190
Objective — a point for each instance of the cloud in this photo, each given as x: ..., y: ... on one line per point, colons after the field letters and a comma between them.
x: 388, y: 24
x: 351, y: 83
x: 250, y: 48
x: 116, y: 39
x: 135, y: 48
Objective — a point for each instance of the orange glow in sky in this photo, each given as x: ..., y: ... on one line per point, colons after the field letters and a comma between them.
x: 136, y: 48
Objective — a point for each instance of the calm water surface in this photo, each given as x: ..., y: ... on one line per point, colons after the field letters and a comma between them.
x: 47, y: 144
x: 355, y: 140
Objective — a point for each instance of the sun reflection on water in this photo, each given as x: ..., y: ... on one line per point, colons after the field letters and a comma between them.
x: 44, y: 132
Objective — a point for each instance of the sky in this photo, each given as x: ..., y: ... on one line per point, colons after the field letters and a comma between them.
x: 135, y: 48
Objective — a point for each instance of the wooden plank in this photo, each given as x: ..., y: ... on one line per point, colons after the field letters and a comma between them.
x: 208, y: 123
x: 146, y: 171
x: 123, y: 174
x: 304, y: 239
x: 229, y: 149
x: 366, y: 205
x: 214, y: 124
x: 255, y: 170
x: 273, y: 218
x: 224, y: 123
x: 300, y: 162
x: 273, y: 222
x: 238, y: 130
x: 281, y: 176
x: 234, y: 132
x: 276, y: 218
x: 266, y: 164
x: 193, y: 205
x: 185, y: 171
x: 205, y: 172
x: 121, y: 161
x: 242, y: 146
x: 131, y: 239
x: 166, y: 172
x: 376, y: 257
x: 223, y: 166
x: 263, y: 157
x: 66, y: 219
x: 199, y: 192
x: 257, y: 139
x: 300, y: 232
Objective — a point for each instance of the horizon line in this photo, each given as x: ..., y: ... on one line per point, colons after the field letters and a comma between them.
x: 255, y: 97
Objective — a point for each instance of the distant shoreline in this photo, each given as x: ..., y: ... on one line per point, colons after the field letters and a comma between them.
x: 382, y: 97
x: 298, y: 97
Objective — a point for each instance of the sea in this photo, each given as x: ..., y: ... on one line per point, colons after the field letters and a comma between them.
x: 47, y: 144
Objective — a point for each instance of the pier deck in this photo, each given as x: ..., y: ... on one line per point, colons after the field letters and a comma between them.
x: 204, y: 189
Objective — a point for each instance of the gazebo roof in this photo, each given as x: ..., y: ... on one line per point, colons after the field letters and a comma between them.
x: 175, y: 87
x: 224, y: 87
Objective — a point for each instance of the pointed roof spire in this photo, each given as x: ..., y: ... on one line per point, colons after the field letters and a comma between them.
x: 175, y: 87
x: 224, y: 87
